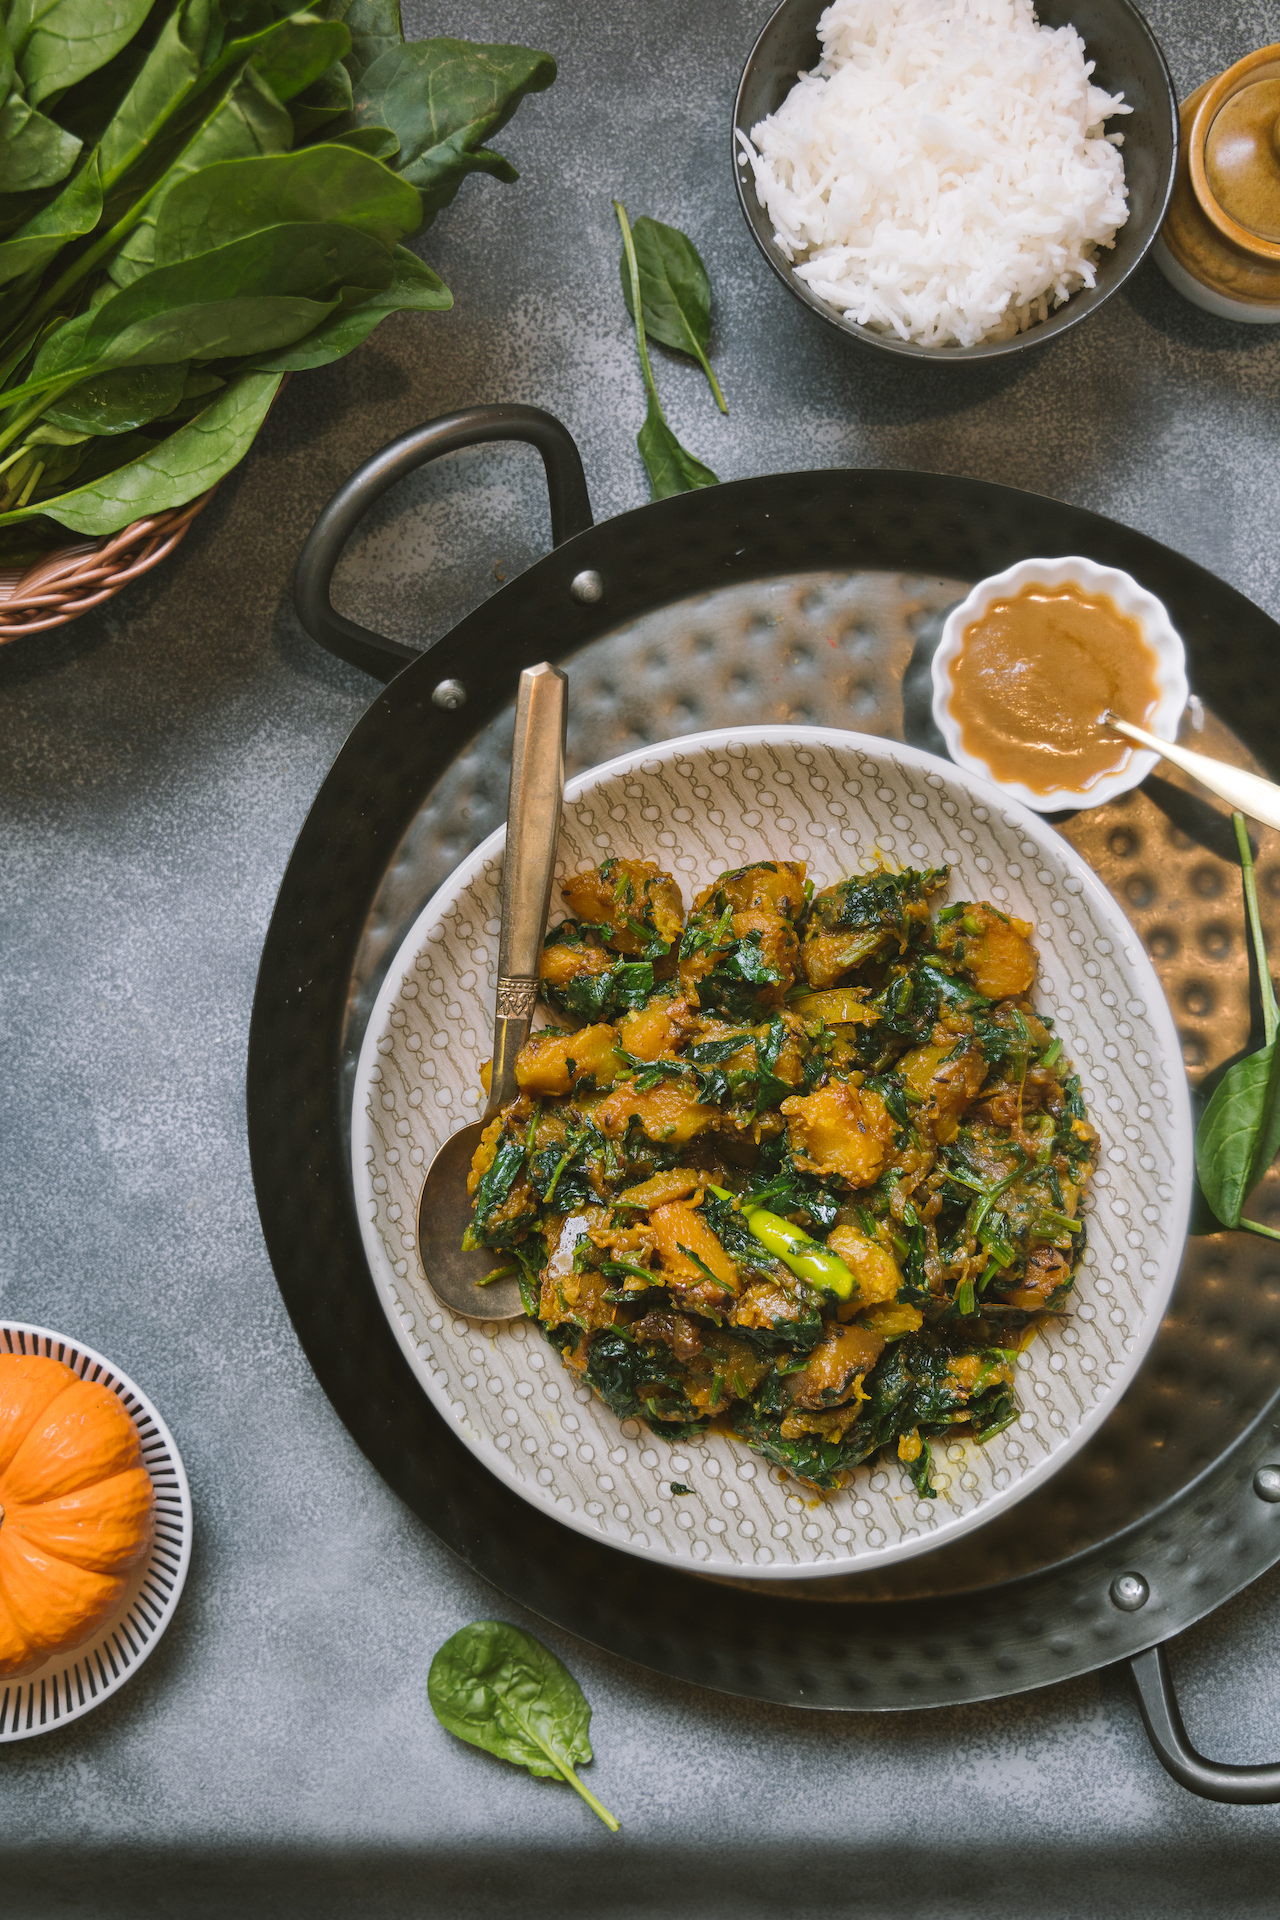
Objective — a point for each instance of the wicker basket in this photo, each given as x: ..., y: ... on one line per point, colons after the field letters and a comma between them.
x: 67, y: 583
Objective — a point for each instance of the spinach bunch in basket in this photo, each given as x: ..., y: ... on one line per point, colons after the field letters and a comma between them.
x: 196, y: 198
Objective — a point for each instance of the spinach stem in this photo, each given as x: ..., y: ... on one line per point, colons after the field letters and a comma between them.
x: 565, y: 1770
x: 633, y: 270
x: 1265, y: 988
x: 1256, y: 1226
x: 710, y: 373
x: 27, y: 414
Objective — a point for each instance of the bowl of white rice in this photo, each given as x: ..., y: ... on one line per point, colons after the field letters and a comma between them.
x: 954, y: 179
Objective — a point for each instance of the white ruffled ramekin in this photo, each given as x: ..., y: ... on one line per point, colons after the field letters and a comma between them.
x: 1157, y: 630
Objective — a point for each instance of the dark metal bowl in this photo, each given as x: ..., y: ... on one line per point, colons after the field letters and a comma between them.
x: 1127, y: 59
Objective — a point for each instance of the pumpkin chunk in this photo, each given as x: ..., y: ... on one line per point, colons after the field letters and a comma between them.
x: 835, y: 1370
x: 654, y: 1031
x: 998, y: 957
x: 775, y: 885
x: 668, y: 1113
x: 872, y: 1266
x: 947, y: 1078
x: 562, y: 964
x: 688, y: 1249
x: 840, y: 1130
x: 632, y: 902
x: 674, y: 1185
x: 551, y: 1062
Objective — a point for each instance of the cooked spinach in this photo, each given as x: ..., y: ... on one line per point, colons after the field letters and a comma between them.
x: 641, y: 1377
x: 675, y: 293
x: 497, y: 1687
x: 671, y: 467
x: 682, y: 1308
x: 201, y: 196
x: 1239, y: 1133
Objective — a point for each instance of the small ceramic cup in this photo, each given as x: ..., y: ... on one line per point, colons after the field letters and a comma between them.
x: 1157, y: 630
x: 1220, y: 241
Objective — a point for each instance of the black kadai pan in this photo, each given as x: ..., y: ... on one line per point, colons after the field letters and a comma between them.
x: 714, y: 609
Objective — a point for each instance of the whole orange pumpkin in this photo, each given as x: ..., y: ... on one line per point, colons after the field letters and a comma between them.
x: 77, y: 1509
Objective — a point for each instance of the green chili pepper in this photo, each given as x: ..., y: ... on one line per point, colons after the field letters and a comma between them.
x: 808, y: 1259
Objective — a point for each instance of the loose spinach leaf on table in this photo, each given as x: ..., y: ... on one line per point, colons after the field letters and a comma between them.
x: 675, y: 293
x: 670, y: 466
x: 497, y: 1687
x: 1239, y: 1134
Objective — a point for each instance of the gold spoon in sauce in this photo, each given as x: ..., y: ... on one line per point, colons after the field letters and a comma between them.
x: 528, y: 866
x: 1246, y: 792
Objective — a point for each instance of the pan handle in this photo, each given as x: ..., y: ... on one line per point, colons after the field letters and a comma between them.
x: 1211, y: 1779
x: 566, y: 484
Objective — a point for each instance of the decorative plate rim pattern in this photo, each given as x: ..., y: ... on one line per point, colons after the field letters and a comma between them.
x: 1157, y: 628
x: 418, y: 1069
x: 72, y: 1684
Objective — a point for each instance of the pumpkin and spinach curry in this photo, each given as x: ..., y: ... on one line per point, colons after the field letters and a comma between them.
x: 806, y: 1165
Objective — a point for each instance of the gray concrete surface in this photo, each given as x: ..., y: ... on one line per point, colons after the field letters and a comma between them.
x: 276, y: 1755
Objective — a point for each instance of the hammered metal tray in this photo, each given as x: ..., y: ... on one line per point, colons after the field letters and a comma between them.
x: 814, y: 597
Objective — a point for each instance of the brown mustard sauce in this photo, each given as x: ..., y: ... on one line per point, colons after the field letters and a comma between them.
x: 1033, y: 674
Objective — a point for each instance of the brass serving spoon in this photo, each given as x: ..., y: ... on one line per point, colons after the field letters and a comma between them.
x: 533, y: 827
x: 1246, y: 792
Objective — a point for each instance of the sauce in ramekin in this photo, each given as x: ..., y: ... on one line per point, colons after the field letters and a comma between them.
x: 1031, y: 677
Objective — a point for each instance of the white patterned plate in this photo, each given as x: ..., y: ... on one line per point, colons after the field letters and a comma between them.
x: 698, y: 805
x: 74, y: 1683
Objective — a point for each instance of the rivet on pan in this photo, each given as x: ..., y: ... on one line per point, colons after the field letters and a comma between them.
x: 450, y: 694
x: 1266, y: 1484
x: 587, y: 586
x: 1129, y: 1591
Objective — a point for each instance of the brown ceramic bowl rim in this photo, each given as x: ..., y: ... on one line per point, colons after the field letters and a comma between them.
x: 1214, y: 98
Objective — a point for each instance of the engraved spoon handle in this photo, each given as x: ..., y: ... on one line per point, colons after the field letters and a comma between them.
x: 528, y: 865
x: 1247, y: 792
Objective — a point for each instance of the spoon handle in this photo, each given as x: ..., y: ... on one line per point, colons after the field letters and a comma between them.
x: 533, y: 828
x: 1248, y: 792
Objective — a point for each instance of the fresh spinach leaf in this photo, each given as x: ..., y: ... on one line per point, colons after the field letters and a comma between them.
x: 443, y: 99
x: 159, y: 89
x: 34, y: 151
x: 326, y: 99
x: 1239, y: 1134
x: 75, y: 211
x: 497, y: 1687
x: 413, y: 287
x: 231, y: 205
x: 232, y: 198
x: 374, y: 26
x: 378, y: 141
x: 57, y: 44
x: 671, y: 467
x: 246, y: 122
x: 257, y: 293
x: 675, y: 293
x: 296, y: 53
x: 119, y: 401
x: 184, y: 465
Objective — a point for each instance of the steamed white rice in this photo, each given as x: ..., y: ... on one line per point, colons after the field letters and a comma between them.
x: 943, y: 174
